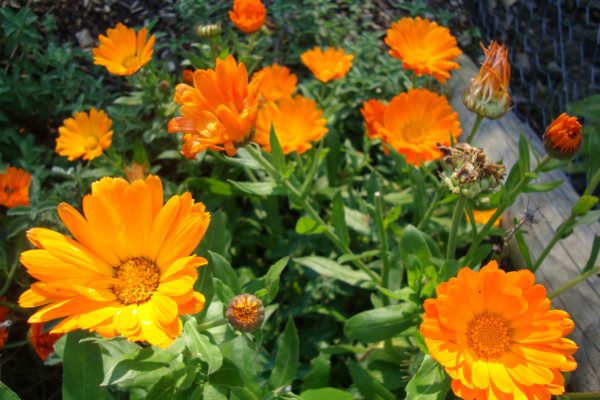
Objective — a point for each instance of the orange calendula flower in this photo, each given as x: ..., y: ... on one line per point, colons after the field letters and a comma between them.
x: 248, y: 15
x: 563, y: 137
x: 4, y: 324
x: 424, y: 47
x: 218, y: 111
x: 123, y: 51
x: 497, y: 337
x: 483, y: 216
x: 85, y: 135
x: 414, y: 123
x: 14, y: 187
x: 488, y: 91
x: 296, y: 121
x: 245, y: 312
x: 327, y: 65
x: 128, y: 269
x: 41, y: 341
x: 372, y: 112
x: 275, y: 82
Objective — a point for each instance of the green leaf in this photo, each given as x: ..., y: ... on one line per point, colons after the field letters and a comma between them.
x: 217, y: 237
x: 200, y: 346
x: 318, y: 375
x: 82, y: 369
x: 331, y: 269
x: 593, y: 255
x: 271, y: 279
x: 223, y: 292
x: 589, y: 218
x: 381, y: 323
x: 524, y: 249
x: 413, y: 242
x: 308, y: 226
x: 339, y: 218
x: 215, y: 186
x: 224, y: 271
x: 228, y: 375
x: 6, y: 393
x: 584, y: 204
x: 358, y: 221
x: 212, y: 393
x: 326, y: 393
x: 267, y: 188
x: 367, y: 385
x: 276, y: 151
x: 287, y: 360
x: 163, y: 389
x: 429, y: 383
x: 524, y: 157
x: 542, y: 187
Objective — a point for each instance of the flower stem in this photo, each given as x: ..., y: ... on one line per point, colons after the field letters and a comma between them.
x: 385, y: 273
x: 305, y: 204
x: 456, y: 217
x: 575, y: 281
x: 593, y: 183
x: 13, y: 307
x: 476, y: 125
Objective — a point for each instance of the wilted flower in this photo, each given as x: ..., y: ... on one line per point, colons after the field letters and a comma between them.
x: 415, y: 122
x: 123, y: 51
x: 483, y: 216
x: 207, y: 31
x: 14, y: 187
x: 248, y: 15
x: 423, y: 47
x: 245, y: 312
x: 42, y: 341
x: 488, y: 91
x: 563, y: 137
x: 372, y: 112
x: 497, y: 337
x: 275, y: 82
x: 296, y: 121
x: 327, y: 65
x: 218, y: 111
x: 468, y: 170
x: 85, y: 135
x: 128, y: 269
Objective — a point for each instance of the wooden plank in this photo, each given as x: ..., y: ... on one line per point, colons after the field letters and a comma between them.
x: 500, y: 140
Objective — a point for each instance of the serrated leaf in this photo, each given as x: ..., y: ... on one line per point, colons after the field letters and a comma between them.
x: 287, y: 360
x: 381, y: 323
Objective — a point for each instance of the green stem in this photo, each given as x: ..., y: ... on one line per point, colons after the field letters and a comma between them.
x: 575, y: 281
x: 593, y: 183
x: 304, y: 203
x: 472, y: 219
x: 436, y: 197
x: 13, y: 307
x: 385, y: 273
x: 456, y: 217
x: 476, y: 125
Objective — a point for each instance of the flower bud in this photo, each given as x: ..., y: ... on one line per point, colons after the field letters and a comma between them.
x: 563, y: 137
x: 41, y: 341
x: 488, y: 91
x: 208, y: 31
x: 245, y: 312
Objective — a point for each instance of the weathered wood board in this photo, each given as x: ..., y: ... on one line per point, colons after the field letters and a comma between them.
x: 500, y: 140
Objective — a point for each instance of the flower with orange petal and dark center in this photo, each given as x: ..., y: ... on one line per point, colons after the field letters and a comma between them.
x: 296, y: 121
x: 372, y: 112
x: 85, y: 135
x: 424, y: 47
x: 14, y: 187
x: 248, y: 15
x: 218, y: 111
x: 563, y: 137
x: 42, y: 341
x: 495, y: 334
x: 245, y: 312
x: 488, y: 91
x: 4, y: 324
x: 128, y: 269
x: 327, y: 65
x: 123, y: 51
x: 275, y: 82
x: 415, y: 122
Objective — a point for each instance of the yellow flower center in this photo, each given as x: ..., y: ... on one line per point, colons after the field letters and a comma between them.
x: 131, y: 61
x: 413, y: 133
x: 137, y: 279
x: 90, y: 142
x: 245, y: 312
x: 488, y: 336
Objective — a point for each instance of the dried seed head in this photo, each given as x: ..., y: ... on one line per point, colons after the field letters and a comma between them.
x: 245, y: 312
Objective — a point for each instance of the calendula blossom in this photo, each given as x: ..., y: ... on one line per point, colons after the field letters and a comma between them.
x: 218, y: 111
x: 123, y: 51
x: 327, y: 65
x: 372, y: 112
x: 248, y: 15
x: 14, y: 187
x: 563, y: 137
x: 128, y: 268
x: 85, y: 135
x: 276, y: 82
x: 424, y: 47
x: 495, y: 334
x: 488, y: 90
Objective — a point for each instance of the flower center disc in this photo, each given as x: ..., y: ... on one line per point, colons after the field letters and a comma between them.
x: 488, y: 336
x: 137, y: 279
x: 90, y: 142
x: 245, y: 312
x: 413, y: 133
x: 130, y: 61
